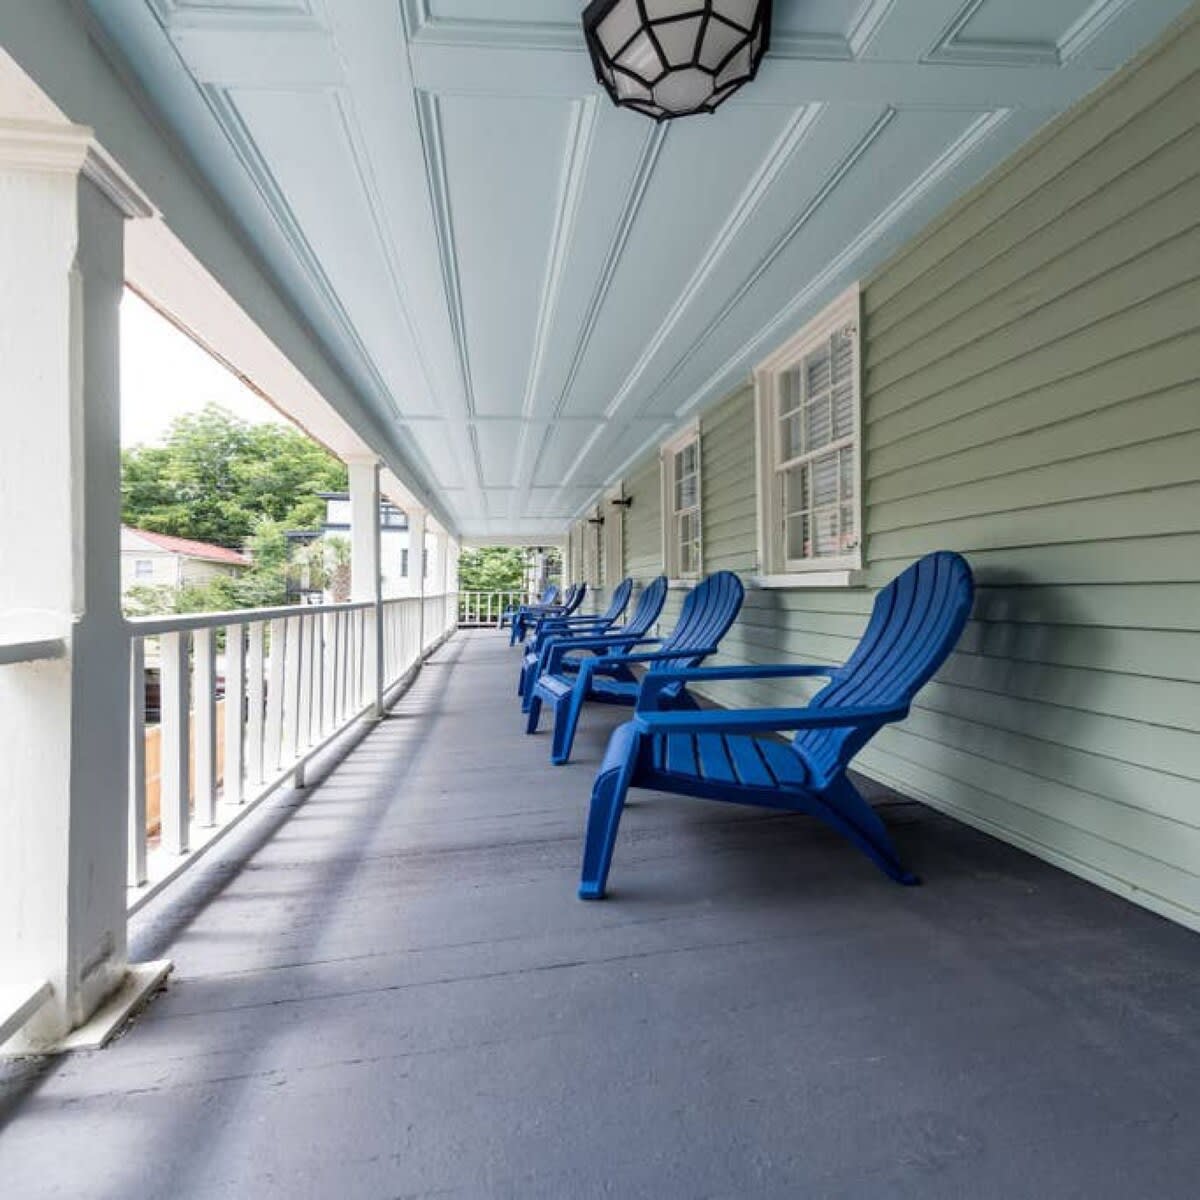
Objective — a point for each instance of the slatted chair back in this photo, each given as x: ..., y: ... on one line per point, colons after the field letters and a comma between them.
x: 618, y: 602
x: 649, y: 604
x: 914, y: 625
x: 573, y: 599
x: 707, y: 613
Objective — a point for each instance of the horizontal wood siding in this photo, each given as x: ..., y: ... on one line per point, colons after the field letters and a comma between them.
x: 1032, y: 399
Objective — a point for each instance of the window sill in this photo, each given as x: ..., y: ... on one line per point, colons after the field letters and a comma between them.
x: 810, y: 579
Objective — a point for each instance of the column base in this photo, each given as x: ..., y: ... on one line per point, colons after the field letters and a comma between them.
x: 141, y: 982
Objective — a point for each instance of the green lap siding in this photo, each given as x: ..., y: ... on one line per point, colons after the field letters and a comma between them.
x: 1031, y: 399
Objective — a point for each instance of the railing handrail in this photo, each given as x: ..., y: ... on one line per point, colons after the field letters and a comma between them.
x: 182, y: 622
x: 296, y: 677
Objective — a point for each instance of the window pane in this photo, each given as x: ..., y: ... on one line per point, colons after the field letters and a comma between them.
x: 843, y: 385
x: 685, y: 494
x: 795, y: 490
x: 817, y: 368
x: 846, y: 468
x: 798, y: 545
x: 789, y: 391
x: 825, y: 479
x: 849, y: 538
x: 825, y: 536
x: 790, y: 437
x: 817, y: 428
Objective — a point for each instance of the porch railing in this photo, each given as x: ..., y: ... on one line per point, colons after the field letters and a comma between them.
x: 482, y: 609
x: 246, y: 700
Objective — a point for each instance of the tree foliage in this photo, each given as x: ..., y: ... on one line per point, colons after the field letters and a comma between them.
x: 491, y: 568
x: 217, y: 478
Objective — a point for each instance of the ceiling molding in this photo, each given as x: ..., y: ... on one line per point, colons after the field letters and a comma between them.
x: 360, y: 157
x: 576, y: 158
x: 1078, y: 36
x: 827, y: 189
x: 842, y: 264
x: 246, y: 148
x: 430, y: 123
x: 866, y: 24
x: 777, y: 158
x: 952, y: 47
x: 648, y: 158
x: 425, y: 29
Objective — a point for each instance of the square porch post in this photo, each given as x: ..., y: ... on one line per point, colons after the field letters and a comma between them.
x: 417, y: 519
x: 366, y: 579
x: 65, y: 712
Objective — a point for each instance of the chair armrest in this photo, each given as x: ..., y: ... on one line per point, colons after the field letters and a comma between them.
x: 557, y: 648
x: 767, y: 720
x: 655, y: 683
x: 655, y: 656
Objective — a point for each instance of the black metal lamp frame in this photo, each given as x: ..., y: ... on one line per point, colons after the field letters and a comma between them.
x: 610, y: 68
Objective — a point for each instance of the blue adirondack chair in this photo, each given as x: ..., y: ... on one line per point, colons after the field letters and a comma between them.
x: 708, y: 612
x: 575, y: 626
x: 530, y: 614
x: 549, y: 624
x: 914, y: 625
x: 614, y: 642
x: 549, y: 595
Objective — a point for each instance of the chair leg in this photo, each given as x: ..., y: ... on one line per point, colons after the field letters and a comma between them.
x: 604, y: 817
x: 522, y: 680
x: 535, y: 711
x: 566, y: 720
x: 842, y: 807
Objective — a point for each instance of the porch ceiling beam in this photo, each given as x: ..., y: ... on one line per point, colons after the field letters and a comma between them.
x: 788, y: 82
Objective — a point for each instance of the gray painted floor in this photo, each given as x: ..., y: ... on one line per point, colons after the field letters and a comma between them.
x: 386, y: 987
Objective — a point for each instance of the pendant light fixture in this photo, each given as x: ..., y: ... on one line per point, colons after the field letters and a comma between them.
x: 671, y: 58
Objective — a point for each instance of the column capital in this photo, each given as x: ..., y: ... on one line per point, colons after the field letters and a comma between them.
x: 50, y: 147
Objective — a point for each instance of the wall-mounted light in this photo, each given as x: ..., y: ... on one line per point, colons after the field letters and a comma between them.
x: 672, y: 58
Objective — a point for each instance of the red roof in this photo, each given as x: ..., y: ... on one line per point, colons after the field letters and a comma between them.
x: 190, y: 549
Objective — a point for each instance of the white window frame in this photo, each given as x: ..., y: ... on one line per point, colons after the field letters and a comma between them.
x: 138, y: 564
x: 671, y: 544
x: 775, y: 569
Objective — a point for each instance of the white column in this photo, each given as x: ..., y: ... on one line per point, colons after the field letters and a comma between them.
x: 366, y: 581
x: 65, y: 767
x: 416, y: 569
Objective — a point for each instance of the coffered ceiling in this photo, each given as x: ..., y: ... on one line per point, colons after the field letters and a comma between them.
x: 533, y: 286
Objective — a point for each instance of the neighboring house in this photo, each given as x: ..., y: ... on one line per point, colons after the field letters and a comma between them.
x: 159, y: 560
x: 393, y: 538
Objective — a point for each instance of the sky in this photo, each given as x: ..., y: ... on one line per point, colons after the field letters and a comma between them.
x: 165, y: 374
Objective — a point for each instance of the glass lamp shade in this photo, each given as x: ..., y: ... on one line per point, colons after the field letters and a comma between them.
x: 672, y: 58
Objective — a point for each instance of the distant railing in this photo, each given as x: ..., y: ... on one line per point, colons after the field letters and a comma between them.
x: 479, y: 610
x: 246, y: 699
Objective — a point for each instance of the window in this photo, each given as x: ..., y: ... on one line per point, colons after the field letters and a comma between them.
x: 682, y: 555
x: 143, y: 568
x: 809, y: 436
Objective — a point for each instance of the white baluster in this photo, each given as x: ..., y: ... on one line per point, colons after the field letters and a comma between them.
x: 137, y: 762
x: 255, y: 702
x: 235, y: 703
x: 173, y: 789
x: 204, y: 702
x: 273, y: 726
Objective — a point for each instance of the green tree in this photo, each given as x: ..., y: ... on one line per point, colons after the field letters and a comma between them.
x: 491, y: 568
x: 217, y: 477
